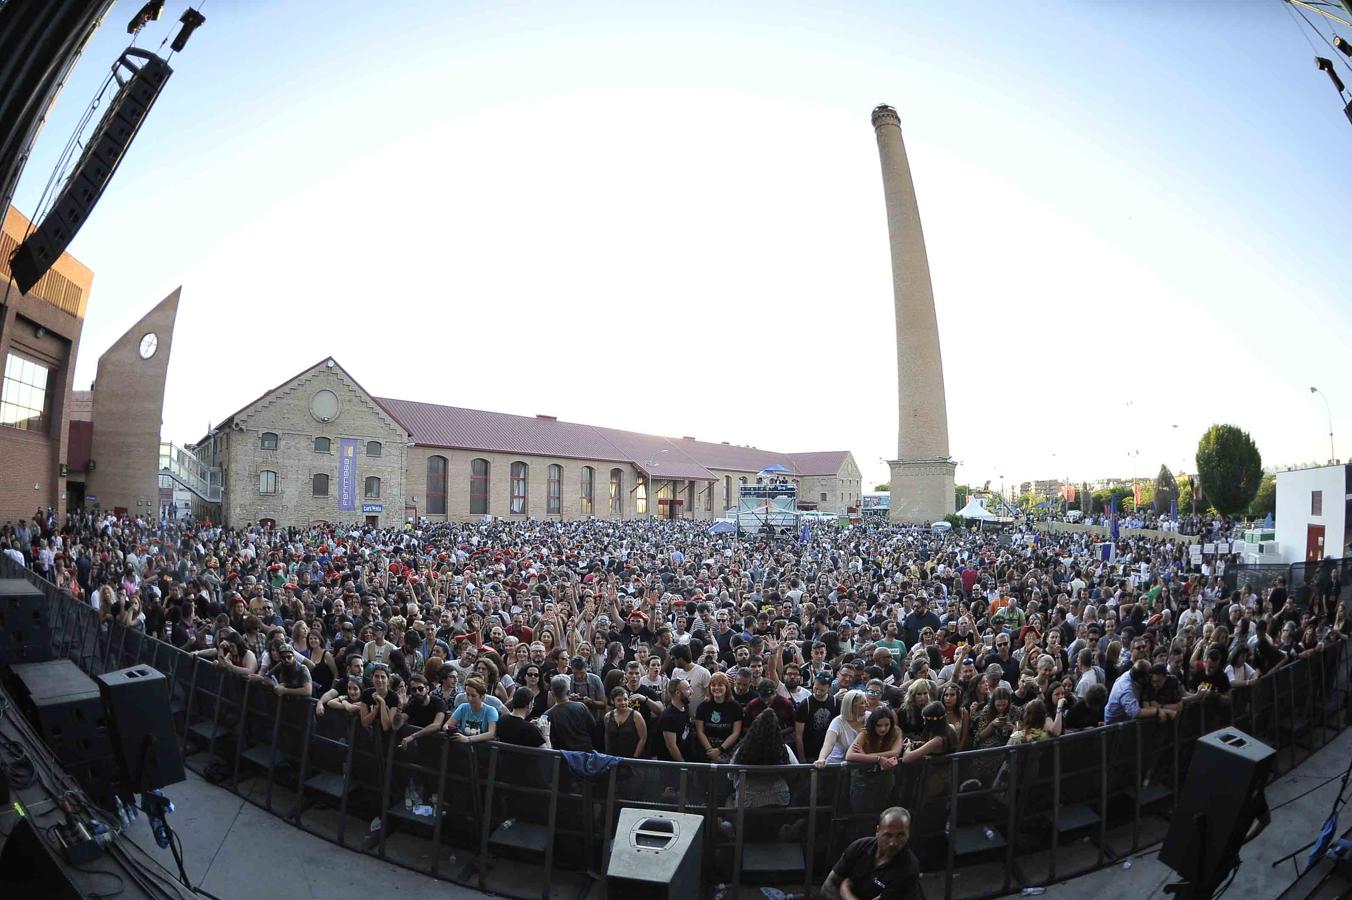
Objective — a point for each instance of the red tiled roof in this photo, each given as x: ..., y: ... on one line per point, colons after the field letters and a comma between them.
x: 458, y: 428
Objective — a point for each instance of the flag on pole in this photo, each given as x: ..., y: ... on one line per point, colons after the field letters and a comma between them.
x: 1112, y: 519
x: 1136, y: 495
x: 1173, y: 509
x: 805, y: 535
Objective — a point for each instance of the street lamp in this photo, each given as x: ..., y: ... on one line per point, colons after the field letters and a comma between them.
x: 1329, y: 410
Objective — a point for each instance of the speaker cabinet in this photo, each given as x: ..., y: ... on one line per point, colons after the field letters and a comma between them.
x: 25, y: 623
x: 137, y: 700
x: 64, y: 706
x: 656, y: 855
x: 1223, y: 795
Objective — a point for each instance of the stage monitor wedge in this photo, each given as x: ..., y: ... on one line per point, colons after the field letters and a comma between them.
x: 116, y: 130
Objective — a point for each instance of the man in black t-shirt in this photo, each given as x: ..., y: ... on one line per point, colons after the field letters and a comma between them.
x: 514, y: 728
x: 1212, y: 680
x: 878, y: 868
x: 813, y: 717
x: 570, y: 723
x: 673, y: 726
x: 425, y: 712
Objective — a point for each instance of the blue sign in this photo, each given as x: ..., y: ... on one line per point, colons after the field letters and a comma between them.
x: 347, y: 475
x: 373, y: 507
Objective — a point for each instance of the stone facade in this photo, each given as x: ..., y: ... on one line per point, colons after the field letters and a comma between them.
x: 922, y: 413
x: 293, y: 415
x: 128, y: 410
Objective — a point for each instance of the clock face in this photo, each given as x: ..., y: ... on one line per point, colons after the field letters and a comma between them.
x: 149, y: 344
x: 324, y: 405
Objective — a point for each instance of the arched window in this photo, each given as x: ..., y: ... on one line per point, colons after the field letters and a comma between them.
x: 268, y: 441
x: 478, y: 487
x: 319, y: 485
x: 267, y: 482
x: 727, y: 491
x: 372, y: 487
x: 520, y: 475
x: 588, y: 493
x: 641, y: 496
x: 373, y: 448
x: 554, y: 499
x: 436, y: 485
x: 322, y: 445
x: 617, y: 493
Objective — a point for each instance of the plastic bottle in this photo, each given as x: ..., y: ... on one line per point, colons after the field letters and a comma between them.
x: 408, y: 796
x: 121, y: 812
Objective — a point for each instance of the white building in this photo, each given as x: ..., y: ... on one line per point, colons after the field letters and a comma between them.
x: 1313, y: 512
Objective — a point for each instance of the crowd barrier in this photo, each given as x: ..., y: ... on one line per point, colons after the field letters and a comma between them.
x: 524, y: 822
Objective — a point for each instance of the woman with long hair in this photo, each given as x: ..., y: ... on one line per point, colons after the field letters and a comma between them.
x: 918, y: 693
x: 317, y: 658
x: 1035, y: 726
x: 994, y: 723
x: 955, y: 712
x: 875, y: 753
x: 718, y: 723
x: 937, y: 737
x: 762, y: 746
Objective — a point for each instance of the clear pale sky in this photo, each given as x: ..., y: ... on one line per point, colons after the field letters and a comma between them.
x: 670, y: 219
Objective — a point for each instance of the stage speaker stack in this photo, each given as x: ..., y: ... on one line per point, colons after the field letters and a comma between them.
x: 25, y: 623
x: 65, y: 708
x: 137, y: 702
x: 1220, y: 801
x: 655, y: 856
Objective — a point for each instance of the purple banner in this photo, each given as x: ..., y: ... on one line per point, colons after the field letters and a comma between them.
x: 347, y: 475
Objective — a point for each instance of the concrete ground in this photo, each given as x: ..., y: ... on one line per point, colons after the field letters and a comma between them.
x: 234, y: 849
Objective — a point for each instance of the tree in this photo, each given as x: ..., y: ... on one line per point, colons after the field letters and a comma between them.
x: 1230, y: 468
x: 960, y: 494
x: 1184, y: 493
x: 1166, y: 491
x: 884, y: 487
x: 1265, y: 501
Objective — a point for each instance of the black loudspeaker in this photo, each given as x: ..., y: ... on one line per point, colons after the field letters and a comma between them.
x: 64, y: 706
x: 1221, y: 799
x: 25, y: 623
x: 137, y: 700
x: 111, y: 139
x: 29, y: 869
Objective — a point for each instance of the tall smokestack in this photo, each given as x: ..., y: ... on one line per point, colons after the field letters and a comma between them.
x: 922, y: 473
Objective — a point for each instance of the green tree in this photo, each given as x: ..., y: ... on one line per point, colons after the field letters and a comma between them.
x: 1166, y: 491
x: 1265, y: 501
x: 1230, y: 468
x: 884, y: 487
x: 960, y: 494
x: 1184, y: 494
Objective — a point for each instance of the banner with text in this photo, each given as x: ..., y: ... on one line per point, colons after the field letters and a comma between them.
x: 347, y: 475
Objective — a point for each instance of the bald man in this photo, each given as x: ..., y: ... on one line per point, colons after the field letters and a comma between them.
x: 881, y: 867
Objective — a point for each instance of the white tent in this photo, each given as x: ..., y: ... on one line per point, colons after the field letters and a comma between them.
x: 975, y: 509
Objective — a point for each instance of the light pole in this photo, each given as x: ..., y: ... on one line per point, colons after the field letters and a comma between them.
x: 1329, y: 410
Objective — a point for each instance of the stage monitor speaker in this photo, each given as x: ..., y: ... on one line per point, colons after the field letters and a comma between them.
x: 656, y: 855
x: 28, y: 868
x: 1223, y: 795
x: 137, y: 701
x: 25, y: 623
x: 64, y: 706
x: 92, y: 173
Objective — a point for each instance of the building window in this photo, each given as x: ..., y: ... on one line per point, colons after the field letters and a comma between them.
x: 323, y: 445
x: 373, y: 487
x: 554, y: 499
x: 319, y: 485
x: 823, y: 496
x: 478, y: 487
x: 588, y: 491
x: 436, y: 485
x: 709, y: 497
x: 373, y: 448
x: 727, y: 491
x: 520, y: 475
x: 1316, y: 503
x: 690, y: 497
x: 23, y: 399
x: 641, y: 496
x: 267, y: 441
x: 267, y: 482
x: 617, y: 493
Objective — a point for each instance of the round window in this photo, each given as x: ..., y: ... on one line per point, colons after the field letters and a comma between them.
x: 149, y: 344
x: 324, y: 405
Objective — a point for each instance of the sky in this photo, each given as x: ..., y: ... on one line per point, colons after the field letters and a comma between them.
x: 669, y: 218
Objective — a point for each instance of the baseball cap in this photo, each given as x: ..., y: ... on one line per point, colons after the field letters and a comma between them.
x: 823, y: 677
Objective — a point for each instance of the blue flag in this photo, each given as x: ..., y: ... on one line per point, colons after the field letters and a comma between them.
x: 805, y: 536
x: 1173, y: 510
x: 1112, y: 520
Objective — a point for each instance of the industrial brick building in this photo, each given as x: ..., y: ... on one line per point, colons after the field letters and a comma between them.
x: 39, y: 342
x: 320, y: 448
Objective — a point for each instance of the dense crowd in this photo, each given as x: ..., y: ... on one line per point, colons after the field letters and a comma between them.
x: 874, y: 644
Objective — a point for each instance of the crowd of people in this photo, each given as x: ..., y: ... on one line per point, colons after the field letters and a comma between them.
x: 875, y: 645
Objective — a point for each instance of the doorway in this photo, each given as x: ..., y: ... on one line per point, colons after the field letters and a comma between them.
x: 1314, y: 543
x: 75, y: 495
x: 373, y: 521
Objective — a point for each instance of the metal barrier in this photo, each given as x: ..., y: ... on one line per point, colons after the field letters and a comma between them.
x: 522, y: 822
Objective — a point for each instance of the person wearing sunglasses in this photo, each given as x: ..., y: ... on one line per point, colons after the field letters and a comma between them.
x: 291, y: 677
x: 425, y: 712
